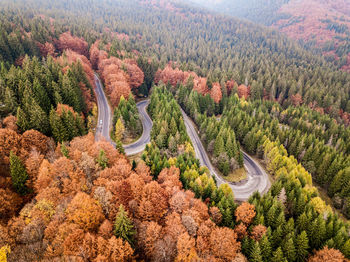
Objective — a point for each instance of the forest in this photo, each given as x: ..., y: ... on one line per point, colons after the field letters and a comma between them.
x: 66, y: 195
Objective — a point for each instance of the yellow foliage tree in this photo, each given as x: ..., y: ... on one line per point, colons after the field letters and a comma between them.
x: 119, y: 130
x: 4, y: 251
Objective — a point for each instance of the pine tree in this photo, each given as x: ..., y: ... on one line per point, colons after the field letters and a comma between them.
x: 255, y: 253
x: 219, y: 146
x: 58, y: 130
x: 18, y: 174
x: 240, y: 159
x: 346, y: 248
x: 38, y: 119
x: 302, y: 245
x: 277, y: 256
x: 22, y: 119
x: 289, y: 250
x: 173, y: 127
x: 123, y: 226
x: 265, y: 247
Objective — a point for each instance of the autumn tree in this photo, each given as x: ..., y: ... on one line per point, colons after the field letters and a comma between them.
x: 85, y: 212
x: 216, y: 93
x: 223, y: 244
x: 119, y: 130
x: 258, y: 232
x: 327, y: 254
x: 186, y: 250
x: 245, y: 213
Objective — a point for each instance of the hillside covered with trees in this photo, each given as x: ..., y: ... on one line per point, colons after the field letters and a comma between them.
x: 320, y: 24
x: 67, y: 195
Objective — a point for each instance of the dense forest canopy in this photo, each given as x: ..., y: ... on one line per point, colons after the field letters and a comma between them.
x: 321, y: 25
x: 217, y: 46
x: 67, y: 194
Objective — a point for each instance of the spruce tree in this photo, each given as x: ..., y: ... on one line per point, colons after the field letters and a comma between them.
x: 265, y: 247
x: 219, y: 146
x: 22, y: 119
x: 277, y: 256
x: 301, y: 245
x: 255, y: 253
x: 18, y: 174
x: 123, y: 226
x: 289, y: 250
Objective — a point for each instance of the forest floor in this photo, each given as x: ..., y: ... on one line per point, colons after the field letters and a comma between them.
x: 130, y: 138
x: 328, y: 200
x: 136, y: 157
x: 236, y: 175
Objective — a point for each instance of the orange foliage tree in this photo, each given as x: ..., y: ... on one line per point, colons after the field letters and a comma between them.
x: 85, y: 212
x: 245, y: 213
x: 326, y: 254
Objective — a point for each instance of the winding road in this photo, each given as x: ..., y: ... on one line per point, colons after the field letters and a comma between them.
x: 105, y: 119
x: 257, y: 180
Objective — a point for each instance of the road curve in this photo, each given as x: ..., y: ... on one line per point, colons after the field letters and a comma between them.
x: 104, y: 112
x: 105, y: 118
x: 147, y: 123
x: 257, y: 179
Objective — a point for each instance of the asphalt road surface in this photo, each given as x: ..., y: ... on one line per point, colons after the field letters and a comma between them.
x: 141, y: 143
x: 105, y: 116
x: 104, y: 112
x: 257, y: 179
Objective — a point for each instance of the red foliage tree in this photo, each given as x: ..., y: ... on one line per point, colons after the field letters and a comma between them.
x: 243, y: 91
x: 154, y: 204
x: 46, y: 49
x: 67, y: 41
x: 230, y: 84
x: 241, y: 231
x: 297, y: 100
x: 216, y: 93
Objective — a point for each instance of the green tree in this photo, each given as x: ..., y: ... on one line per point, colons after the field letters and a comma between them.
x: 123, y: 226
x: 18, y: 174
x: 64, y: 150
x: 119, y: 146
x: 277, y: 256
x: 219, y: 146
x: 102, y: 159
x: 301, y: 246
x: 289, y: 250
x: 22, y: 119
x: 255, y: 253
x: 265, y: 247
